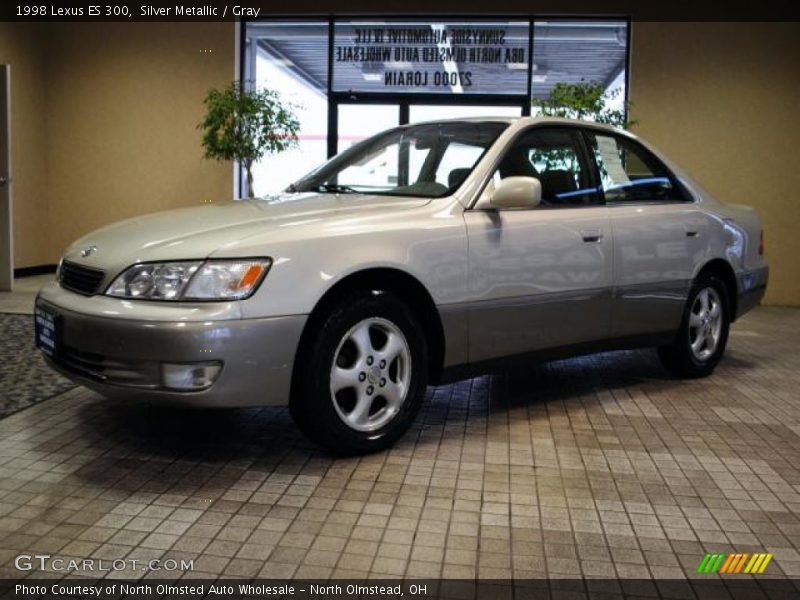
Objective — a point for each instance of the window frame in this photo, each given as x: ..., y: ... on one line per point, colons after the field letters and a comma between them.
x: 575, y: 131
x: 651, y: 158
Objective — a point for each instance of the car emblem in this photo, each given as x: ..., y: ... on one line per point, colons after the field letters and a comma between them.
x: 88, y: 251
x: 374, y: 375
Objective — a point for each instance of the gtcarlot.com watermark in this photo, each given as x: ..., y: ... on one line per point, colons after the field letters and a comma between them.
x: 46, y: 562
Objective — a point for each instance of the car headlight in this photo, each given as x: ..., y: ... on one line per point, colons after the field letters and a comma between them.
x: 191, y: 280
x: 227, y: 279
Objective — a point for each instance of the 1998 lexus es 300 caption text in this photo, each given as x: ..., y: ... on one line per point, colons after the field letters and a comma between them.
x: 424, y: 254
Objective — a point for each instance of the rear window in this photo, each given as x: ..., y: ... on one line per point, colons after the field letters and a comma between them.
x: 630, y: 173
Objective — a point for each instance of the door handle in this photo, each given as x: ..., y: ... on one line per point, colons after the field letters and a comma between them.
x: 691, y: 234
x: 591, y: 236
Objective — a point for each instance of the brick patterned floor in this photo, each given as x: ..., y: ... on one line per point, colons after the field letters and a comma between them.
x: 599, y: 466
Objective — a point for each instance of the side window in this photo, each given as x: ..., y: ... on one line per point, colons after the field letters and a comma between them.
x: 555, y: 157
x: 630, y: 173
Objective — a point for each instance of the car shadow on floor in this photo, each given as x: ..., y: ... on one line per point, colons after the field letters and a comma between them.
x: 155, y: 443
x: 144, y: 439
x: 735, y: 360
x: 573, y: 378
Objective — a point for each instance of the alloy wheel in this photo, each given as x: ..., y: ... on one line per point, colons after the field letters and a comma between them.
x: 705, y: 323
x: 371, y: 374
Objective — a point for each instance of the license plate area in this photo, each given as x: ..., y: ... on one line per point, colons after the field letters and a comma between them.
x: 46, y: 324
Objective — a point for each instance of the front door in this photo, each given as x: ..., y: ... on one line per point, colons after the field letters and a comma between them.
x: 6, y: 220
x: 540, y: 278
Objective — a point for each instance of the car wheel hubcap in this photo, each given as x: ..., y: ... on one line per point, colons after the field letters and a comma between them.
x: 370, y: 375
x: 705, y: 323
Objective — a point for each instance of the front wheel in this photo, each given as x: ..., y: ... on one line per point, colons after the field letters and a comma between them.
x: 363, y: 379
x: 703, y: 335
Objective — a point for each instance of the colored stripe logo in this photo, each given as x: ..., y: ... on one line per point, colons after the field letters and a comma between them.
x: 734, y: 563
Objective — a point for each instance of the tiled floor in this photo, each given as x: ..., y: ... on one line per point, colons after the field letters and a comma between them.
x: 21, y: 299
x: 600, y: 466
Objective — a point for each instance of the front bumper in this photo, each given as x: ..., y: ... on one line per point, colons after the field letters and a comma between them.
x: 752, y: 286
x: 122, y: 357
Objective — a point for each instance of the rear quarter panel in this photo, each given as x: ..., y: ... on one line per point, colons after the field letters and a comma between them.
x: 733, y: 234
x: 732, y: 231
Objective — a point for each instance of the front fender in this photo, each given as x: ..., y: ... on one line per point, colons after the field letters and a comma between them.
x: 430, y: 245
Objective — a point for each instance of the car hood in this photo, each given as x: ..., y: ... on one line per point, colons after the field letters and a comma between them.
x: 200, y: 231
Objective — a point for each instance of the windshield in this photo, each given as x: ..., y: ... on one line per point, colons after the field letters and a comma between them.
x: 429, y: 160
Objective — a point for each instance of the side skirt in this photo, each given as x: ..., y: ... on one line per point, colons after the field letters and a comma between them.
x: 466, y: 370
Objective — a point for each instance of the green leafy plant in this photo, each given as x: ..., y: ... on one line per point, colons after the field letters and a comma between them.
x: 246, y: 125
x: 585, y: 100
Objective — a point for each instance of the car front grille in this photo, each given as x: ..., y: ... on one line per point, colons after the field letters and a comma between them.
x: 78, y: 278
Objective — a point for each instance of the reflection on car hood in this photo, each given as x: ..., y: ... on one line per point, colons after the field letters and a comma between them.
x: 197, y: 232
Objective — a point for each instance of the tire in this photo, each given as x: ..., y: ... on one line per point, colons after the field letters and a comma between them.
x: 362, y: 380
x: 703, y: 335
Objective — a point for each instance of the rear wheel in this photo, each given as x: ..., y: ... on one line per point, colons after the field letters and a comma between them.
x: 362, y: 381
x: 703, y: 335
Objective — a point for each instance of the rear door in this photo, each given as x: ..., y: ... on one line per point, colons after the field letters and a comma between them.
x: 541, y: 277
x: 657, y: 230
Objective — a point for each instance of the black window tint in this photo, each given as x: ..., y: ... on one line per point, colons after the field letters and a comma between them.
x: 556, y: 158
x: 629, y: 173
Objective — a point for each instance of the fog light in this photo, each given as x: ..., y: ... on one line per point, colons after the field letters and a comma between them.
x: 189, y: 376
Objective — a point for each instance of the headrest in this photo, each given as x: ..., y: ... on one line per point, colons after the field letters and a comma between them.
x: 517, y: 164
x: 557, y: 181
x: 457, y: 177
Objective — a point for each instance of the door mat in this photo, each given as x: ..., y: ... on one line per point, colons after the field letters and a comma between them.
x: 25, y: 378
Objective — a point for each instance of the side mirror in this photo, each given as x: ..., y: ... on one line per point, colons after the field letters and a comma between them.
x: 517, y: 192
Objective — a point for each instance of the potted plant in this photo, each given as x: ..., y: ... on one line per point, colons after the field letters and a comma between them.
x: 247, y: 124
x: 585, y: 100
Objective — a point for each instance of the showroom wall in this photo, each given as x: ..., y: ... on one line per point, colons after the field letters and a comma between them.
x: 721, y: 99
x: 123, y: 105
x: 105, y: 122
x: 23, y: 47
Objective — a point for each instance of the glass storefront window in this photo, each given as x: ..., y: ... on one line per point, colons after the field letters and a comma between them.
x: 353, y: 127
x: 572, y: 51
x: 433, y: 112
x: 290, y: 58
x: 383, y: 71
x: 427, y: 56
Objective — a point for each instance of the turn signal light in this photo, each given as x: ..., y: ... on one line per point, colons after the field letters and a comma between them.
x: 251, y: 276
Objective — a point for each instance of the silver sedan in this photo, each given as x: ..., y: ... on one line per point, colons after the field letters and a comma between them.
x: 427, y: 253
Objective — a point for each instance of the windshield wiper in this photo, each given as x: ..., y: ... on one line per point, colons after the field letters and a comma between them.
x: 335, y: 188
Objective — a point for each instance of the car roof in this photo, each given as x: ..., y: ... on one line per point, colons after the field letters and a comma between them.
x: 524, y: 121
